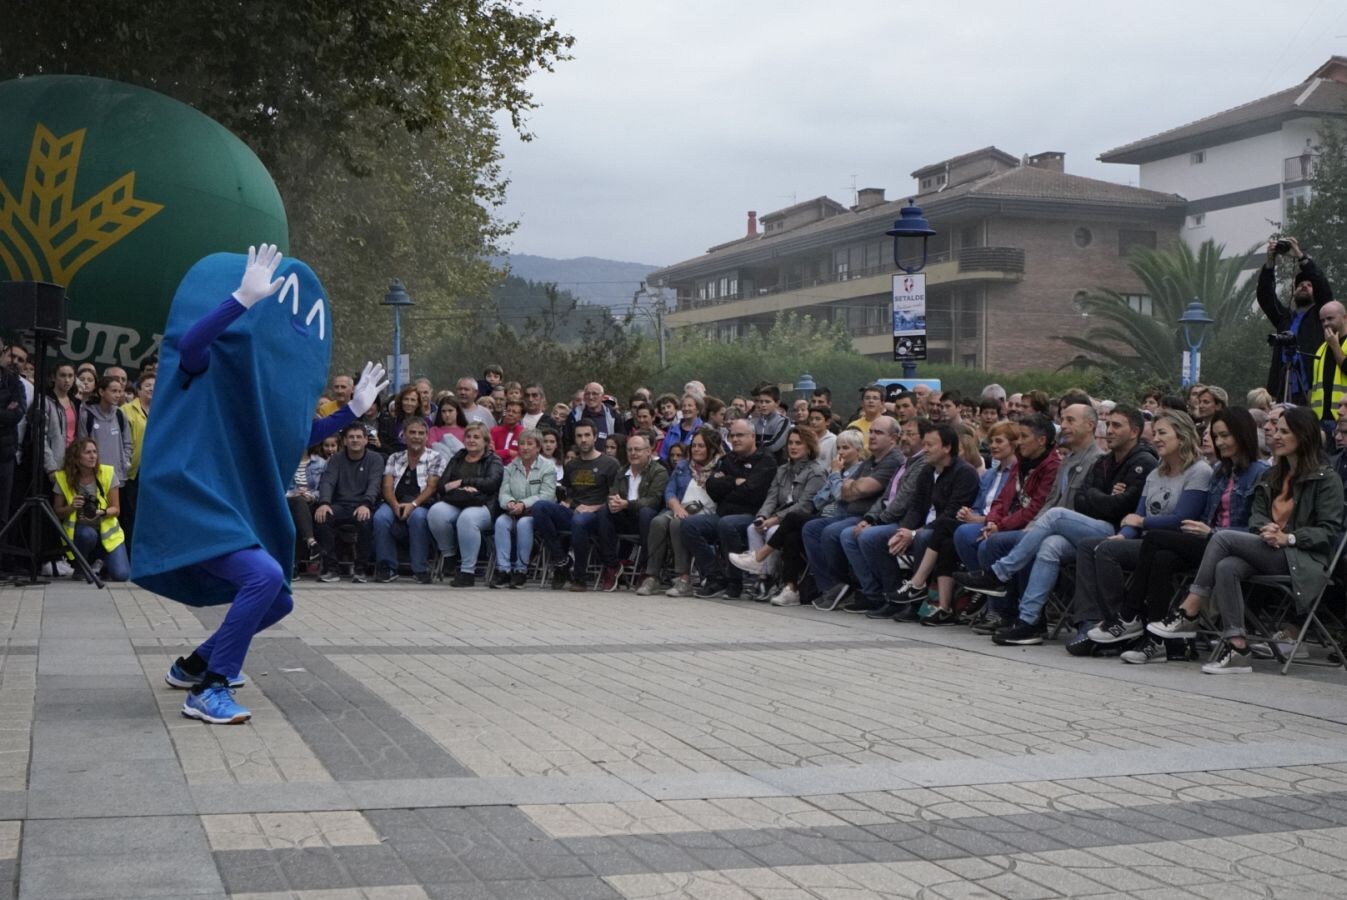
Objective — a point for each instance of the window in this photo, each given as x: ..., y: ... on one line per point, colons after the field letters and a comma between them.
x: 1129, y: 240
x: 1294, y: 198
x: 971, y: 236
x: 970, y: 316
x: 1140, y: 303
x: 1082, y: 237
x: 970, y: 360
x: 1197, y: 220
x: 734, y: 285
x: 724, y: 287
x: 1078, y: 303
x: 701, y: 290
x: 1198, y: 157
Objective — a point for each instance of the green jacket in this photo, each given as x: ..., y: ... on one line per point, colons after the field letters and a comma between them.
x: 539, y: 484
x: 650, y: 494
x: 1316, y: 522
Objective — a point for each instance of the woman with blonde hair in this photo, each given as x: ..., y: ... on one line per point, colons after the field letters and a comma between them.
x: 1175, y: 491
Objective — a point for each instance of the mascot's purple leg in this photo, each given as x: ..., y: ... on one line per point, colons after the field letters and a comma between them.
x: 261, y: 602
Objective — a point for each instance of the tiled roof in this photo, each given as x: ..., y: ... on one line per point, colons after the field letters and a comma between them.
x: 1314, y: 97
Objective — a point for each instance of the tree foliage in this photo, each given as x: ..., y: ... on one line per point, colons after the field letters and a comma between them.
x: 1321, y: 224
x: 374, y: 119
x: 1151, y: 346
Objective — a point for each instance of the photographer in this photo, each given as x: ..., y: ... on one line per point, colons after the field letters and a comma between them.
x: 1299, y: 332
x: 1329, y: 376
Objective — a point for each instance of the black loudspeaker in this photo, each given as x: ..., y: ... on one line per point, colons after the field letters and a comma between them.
x: 33, y: 307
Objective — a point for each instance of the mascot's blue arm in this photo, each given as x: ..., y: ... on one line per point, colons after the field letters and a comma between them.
x: 194, y: 358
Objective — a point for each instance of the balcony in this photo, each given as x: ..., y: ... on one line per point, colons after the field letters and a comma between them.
x: 1299, y: 168
x: 966, y: 265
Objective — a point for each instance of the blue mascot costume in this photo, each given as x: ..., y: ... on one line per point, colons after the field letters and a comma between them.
x: 233, y: 412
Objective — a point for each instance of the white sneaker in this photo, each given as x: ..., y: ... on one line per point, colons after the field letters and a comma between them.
x: 1263, y: 651
x: 64, y: 568
x: 682, y: 587
x: 1150, y: 652
x: 97, y: 566
x: 786, y: 597
x: 747, y: 562
x: 1230, y: 662
x: 648, y: 586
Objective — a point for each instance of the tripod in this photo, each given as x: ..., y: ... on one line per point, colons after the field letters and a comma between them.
x: 37, y: 505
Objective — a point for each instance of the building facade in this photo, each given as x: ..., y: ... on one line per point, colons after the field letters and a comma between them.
x: 1018, y: 243
x: 1242, y: 169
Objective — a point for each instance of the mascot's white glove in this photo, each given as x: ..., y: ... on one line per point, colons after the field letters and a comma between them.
x: 372, y: 383
x: 257, y: 275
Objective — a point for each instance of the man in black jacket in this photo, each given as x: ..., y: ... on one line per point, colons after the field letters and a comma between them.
x: 11, y: 412
x: 1113, y: 487
x: 348, y: 495
x: 739, y: 485
x: 1310, y: 292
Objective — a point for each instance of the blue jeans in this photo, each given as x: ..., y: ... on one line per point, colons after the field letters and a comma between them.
x: 389, y: 531
x: 875, y: 568
x: 1050, y: 539
x: 967, y: 546
x: 823, y: 548
x: 989, y: 551
x: 551, y: 519
x: 700, y: 534
x: 458, y: 532
x: 117, y: 566
x: 514, y: 542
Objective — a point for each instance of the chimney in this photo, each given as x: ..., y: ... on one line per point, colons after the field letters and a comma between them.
x: 868, y: 197
x: 752, y: 223
x: 1048, y: 160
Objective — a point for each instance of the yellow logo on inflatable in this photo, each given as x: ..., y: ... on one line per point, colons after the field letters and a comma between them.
x: 45, y: 237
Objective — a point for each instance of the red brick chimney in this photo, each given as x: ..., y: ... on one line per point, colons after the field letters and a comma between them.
x: 752, y: 223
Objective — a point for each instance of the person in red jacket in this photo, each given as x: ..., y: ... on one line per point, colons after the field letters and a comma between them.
x: 505, y: 436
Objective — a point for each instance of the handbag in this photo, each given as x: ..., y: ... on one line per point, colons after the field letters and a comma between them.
x: 696, y: 495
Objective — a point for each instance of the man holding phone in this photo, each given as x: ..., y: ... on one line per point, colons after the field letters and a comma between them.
x: 1299, y: 331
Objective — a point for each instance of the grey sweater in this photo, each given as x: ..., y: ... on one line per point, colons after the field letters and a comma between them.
x: 352, y: 482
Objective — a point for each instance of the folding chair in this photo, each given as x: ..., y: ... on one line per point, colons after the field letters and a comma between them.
x: 1268, y: 628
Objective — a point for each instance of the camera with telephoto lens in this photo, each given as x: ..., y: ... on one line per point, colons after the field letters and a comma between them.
x: 1282, y: 247
x: 1283, y: 339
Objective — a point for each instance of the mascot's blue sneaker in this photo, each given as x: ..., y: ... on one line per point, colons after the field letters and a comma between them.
x: 179, y: 677
x: 215, y: 705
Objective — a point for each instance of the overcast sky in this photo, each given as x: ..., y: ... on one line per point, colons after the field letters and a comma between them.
x: 677, y: 116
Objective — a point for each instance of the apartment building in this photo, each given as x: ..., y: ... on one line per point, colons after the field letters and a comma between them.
x: 1019, y: 242
x: 1241, y: 169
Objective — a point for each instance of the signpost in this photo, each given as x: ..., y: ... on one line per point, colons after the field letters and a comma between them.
x: 909, y: 319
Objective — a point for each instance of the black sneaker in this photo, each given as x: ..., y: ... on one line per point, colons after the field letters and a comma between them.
x: 518, y: 580
x: 1020, y: 634
x: 734, y: 591
x: 861, y: 604
x: 909, y: 613
x: 832, y: 597
x: 499, y: 579
x: 422, y: 577
x: 327, y: 576
x: 982, y: 583
x: 972, y: 609
x: 990, y: 623
x: 383, y: 574
x: 561, y: 576
x: 910, y: 593
x: 463, y: 580
x: 940, y: 617
x: 710, y: 589
x: 886, y: 611
x: 1080, y: 644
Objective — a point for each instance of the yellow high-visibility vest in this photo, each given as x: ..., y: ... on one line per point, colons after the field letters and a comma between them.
x: 109, y: 529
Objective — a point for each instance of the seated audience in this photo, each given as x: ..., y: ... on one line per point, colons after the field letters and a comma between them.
x: 528, y: 479
x: 466, y: 503
x: 348, y: 496
x: 410, y: 480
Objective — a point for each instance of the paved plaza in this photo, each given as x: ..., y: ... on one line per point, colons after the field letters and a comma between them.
x: 413, y: 742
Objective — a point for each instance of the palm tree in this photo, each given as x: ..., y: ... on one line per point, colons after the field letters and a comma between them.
x: 1152, y: 345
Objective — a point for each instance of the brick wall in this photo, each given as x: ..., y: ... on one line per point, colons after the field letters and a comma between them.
x: 1022, y: 318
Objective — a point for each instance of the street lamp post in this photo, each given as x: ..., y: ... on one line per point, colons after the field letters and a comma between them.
x: 909, y: 226
x: 805, y: 386
x: 397, y: 298
x: 1194, y: 321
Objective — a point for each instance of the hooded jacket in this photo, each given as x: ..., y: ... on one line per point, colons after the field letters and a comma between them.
x: 1096, y: 498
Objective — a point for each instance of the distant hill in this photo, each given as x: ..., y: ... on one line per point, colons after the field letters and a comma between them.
x: 601, y: 282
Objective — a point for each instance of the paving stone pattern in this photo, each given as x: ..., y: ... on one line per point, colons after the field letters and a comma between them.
x: 415, y: 742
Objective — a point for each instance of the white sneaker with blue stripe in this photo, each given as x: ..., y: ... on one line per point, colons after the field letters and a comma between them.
x: 179, y: 677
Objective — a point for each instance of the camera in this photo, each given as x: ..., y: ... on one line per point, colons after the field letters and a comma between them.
x: 1282, y: 247
x: 1284, y: 339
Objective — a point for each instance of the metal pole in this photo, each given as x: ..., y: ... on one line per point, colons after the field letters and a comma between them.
x: 909, y: 368
x: 659, y: 327
x: 397, y: 349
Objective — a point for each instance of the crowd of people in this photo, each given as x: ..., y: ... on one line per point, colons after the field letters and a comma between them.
x: 1136, y: 525
x: 997, y: 513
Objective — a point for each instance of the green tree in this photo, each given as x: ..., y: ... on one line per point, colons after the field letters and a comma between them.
x: 1321, y: 224
x: 1151, y: 347
x: 376, y: 120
